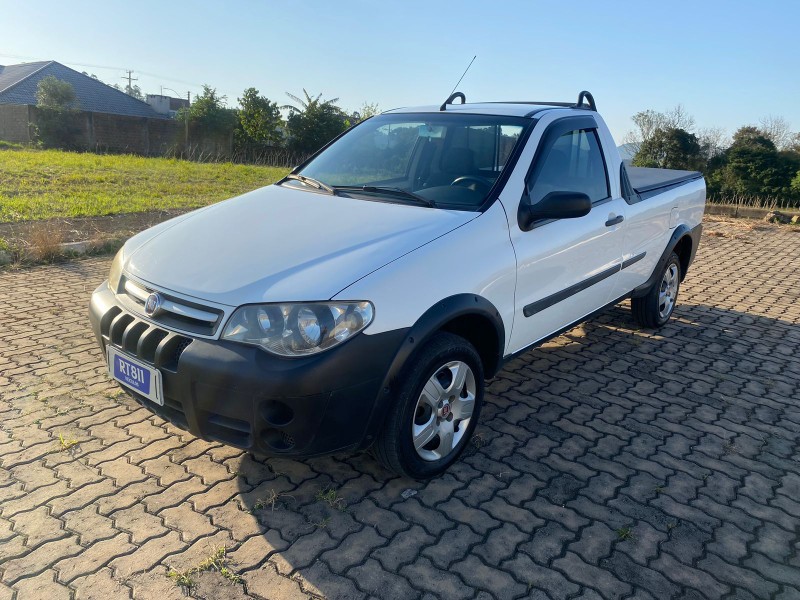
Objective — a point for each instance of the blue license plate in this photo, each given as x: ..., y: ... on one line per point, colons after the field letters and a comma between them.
x: 135, y: 375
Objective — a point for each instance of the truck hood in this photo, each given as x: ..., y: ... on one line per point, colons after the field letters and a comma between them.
x: 277, y: 244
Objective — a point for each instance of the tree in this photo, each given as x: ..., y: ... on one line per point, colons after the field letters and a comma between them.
x: 135, y: 91
x: 260, y: 121
x: 367, y: 110
x: 752, y: 136
x: 713, y: 142
x: 56, y: 117
x: 55, y: 94
x: 754, y: 167
x: 794, y: 145
x: 670, y: 148
x: 778, y: 131
x: 314, y: 124
x: 796, y: 185
x: 647, y: 122
x: 209, y: 115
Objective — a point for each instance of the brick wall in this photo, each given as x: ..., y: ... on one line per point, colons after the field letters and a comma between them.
x: 14, y: 119
x: 115, y: 133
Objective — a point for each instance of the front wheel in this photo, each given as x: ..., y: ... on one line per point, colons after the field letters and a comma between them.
x: 654, y: 309
x: 435, y: 409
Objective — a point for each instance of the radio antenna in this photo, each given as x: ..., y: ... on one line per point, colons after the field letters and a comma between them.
x: 465, y: 72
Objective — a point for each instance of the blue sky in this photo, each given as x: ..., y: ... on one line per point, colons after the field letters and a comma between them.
x: 729, y: 63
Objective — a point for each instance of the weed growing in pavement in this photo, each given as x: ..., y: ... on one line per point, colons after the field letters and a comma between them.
x: 65, y: 442
x: 182, y: 579
x: 332, y: 498
x: 270, y: 500
x: 215, y: 561
x: 230, y: 575
x: 218, y: 561
x: 320, y: 524
x: 624, y: 533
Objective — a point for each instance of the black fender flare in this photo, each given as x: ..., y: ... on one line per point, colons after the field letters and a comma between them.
x: 681, y: 231
x: 431, y: 321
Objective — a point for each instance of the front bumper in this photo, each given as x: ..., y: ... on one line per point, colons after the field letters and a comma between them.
x: 245, y: 397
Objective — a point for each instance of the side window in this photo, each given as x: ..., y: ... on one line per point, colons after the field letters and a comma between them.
x: 573, y: 164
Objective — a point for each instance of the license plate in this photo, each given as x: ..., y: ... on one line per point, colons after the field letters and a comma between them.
x: 135, y: 375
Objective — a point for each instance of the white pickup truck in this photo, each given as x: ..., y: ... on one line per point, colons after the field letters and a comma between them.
x: 363, y: 300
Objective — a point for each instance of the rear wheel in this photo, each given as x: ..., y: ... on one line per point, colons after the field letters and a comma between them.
x: 434, y: 410
x: 654, y: 309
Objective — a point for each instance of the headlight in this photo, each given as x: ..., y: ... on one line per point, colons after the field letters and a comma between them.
x: 298, y: 329
x: 115, y: 274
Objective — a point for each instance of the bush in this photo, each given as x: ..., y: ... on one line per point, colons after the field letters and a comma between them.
x: 57, y: 123
x: 57, y: 128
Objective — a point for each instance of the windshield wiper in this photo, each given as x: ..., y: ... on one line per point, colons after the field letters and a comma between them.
x: 389, y: 191
x: 310, y: 181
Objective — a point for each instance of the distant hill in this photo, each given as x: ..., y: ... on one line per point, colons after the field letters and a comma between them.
x: 626, y: 151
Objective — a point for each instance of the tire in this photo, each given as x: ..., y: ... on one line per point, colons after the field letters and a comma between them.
x: 654, y: 309
x: 428, y: 407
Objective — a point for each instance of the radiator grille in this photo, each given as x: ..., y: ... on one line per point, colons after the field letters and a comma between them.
x: 149, y: 343
x: 175, y: 313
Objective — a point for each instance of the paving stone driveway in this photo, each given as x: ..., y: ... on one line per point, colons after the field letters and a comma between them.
x: 611, y: 463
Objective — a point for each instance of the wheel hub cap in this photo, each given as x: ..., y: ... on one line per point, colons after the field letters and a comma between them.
x: 444, y: 409
x: 668, y: 291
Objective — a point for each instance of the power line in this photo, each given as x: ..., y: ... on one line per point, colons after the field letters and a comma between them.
x: 108, y: 67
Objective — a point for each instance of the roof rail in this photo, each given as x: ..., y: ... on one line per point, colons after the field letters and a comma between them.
x: 452, y: 97
x: 589, y: 98
x: 585, y: 101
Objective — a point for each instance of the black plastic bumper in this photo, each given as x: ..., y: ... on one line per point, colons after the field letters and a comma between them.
x: 245, y: 397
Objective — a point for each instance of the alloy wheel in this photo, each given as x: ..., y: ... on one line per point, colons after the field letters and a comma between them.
x: 444, y: 409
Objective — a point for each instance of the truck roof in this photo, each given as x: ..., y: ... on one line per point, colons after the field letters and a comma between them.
x: 514, y: 109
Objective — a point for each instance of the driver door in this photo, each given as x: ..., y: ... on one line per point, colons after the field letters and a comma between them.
x: 566, y: 268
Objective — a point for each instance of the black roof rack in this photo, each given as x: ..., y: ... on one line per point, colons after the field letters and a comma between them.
x: 452, y: 97
x: 585, y: 101
x: 589, y: 98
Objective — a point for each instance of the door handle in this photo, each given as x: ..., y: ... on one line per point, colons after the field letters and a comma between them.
x: 615, y: 221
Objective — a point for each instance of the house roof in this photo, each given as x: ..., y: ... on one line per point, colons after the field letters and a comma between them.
x: 18, y: 84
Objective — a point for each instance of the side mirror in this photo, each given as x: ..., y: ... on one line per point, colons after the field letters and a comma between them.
x: 555, y: 205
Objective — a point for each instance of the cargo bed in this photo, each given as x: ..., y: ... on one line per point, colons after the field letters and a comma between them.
x: 647, y: 182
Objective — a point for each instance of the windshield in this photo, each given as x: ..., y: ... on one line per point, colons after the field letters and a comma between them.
x: 443, y: 160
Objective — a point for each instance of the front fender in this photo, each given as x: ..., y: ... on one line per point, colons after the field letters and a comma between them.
x: 433, y: 320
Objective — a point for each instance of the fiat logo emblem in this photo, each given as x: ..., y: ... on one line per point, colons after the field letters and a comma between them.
x: 152, y: 304
x: 445, y: 410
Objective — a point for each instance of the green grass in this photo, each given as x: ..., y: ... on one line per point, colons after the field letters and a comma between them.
x: 625, y: 533
x: 42, y: 184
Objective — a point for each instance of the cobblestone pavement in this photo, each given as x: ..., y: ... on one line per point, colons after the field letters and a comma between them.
x: 611, y: 463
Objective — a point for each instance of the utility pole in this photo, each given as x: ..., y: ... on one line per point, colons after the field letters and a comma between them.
x: 130, y: 79
x: 186, y: 142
